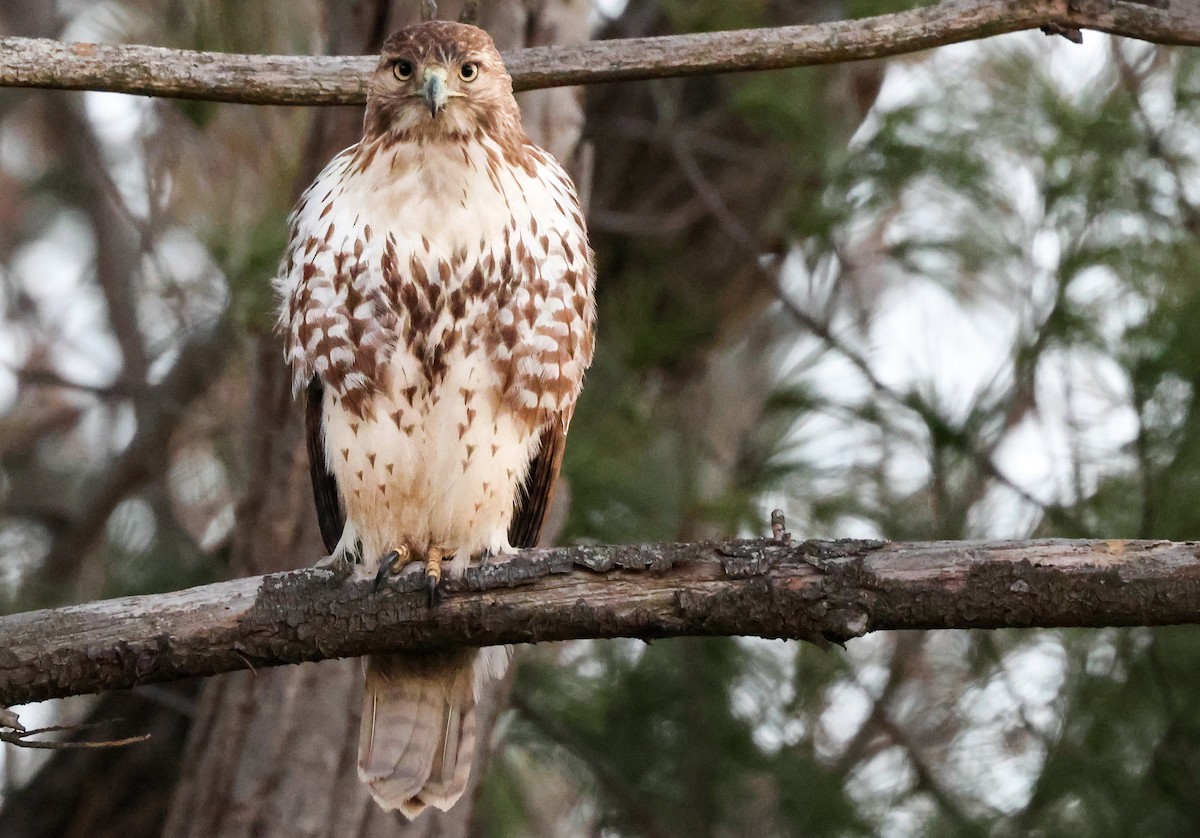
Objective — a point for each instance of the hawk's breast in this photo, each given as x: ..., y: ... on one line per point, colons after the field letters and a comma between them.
x: 443, y: 295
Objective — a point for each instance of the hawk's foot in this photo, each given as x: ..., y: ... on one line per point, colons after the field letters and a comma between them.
x: 433, y: 573
x: 392, y: 563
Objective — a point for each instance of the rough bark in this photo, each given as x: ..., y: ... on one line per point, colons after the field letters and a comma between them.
x: 816, y: 590
x: 327, y: 80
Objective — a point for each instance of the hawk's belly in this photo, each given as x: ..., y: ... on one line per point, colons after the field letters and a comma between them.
x: 430, y: 465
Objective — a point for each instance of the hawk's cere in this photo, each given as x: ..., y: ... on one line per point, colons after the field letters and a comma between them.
x: 437, y: 305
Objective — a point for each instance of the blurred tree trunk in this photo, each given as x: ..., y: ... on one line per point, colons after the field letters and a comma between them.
x: 274, y: 753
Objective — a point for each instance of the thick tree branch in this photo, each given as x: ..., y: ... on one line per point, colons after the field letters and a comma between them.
x: 322, y: 80
x: 814, y: 590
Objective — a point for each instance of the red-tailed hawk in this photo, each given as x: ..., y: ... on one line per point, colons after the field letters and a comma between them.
x: 437, y: 305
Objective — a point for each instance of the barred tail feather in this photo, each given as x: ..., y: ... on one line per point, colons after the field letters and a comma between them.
x: 417, y: 739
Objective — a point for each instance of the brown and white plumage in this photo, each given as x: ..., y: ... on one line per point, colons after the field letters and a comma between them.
x: 437, y: 305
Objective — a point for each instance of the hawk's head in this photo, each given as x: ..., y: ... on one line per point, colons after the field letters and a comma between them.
x: 441, y: 80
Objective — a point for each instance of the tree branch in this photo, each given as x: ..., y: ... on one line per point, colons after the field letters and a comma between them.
x: 324, y: 80
x: 813, y: 590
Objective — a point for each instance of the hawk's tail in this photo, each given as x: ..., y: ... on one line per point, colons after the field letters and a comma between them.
x: 418, y: 725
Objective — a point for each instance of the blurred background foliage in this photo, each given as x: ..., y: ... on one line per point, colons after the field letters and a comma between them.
x: 949, y: 296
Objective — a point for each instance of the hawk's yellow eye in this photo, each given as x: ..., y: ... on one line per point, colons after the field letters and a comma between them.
x: 468, y: 71
x: 402, y: 70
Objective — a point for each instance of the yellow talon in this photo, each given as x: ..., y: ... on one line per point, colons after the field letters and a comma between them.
x: 433, y: 572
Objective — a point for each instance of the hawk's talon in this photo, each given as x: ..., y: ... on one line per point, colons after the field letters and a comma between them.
x: 433, y: 573
x: 385, y: 568
x: 392, y: 562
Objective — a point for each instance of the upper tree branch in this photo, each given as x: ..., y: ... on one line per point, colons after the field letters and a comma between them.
x: 322, y: 80
x: 814, y: 590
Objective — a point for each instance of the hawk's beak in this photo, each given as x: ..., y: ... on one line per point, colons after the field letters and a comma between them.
x: 434, y: 90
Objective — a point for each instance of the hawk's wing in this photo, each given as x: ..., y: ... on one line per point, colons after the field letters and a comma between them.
x: 330, y: 514
x: 533, y: 501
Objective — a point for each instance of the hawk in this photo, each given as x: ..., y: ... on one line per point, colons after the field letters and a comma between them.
x: 437, y: 305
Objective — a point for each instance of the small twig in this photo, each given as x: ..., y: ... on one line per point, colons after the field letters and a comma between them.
x: 9, y: 719
x: 17, y: 735
x: 779, y: 527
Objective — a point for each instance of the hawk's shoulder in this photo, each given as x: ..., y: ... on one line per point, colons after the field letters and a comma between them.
x: 547, y: 324
x: 336, y: 314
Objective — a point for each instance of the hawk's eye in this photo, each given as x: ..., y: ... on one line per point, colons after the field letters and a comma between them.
x: 468, y: 71
x: 402, y: 70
